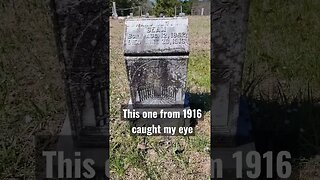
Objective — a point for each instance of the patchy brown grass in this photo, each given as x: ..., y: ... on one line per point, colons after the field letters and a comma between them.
x: 31, y: 88
x: 310, y: 169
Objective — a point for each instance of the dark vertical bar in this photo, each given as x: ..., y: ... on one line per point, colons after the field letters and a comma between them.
x: 82, y: 38
x: 229, y: 19
x: 82, y: 32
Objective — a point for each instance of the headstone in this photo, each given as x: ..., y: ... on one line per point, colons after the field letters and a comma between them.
x: 84, y: 50
x: 182, y: 14
x: 140, y: 10
x: 230, y: 122
x: 175, y: 11
x: 81, y: 29
x: 156, y: 53
x: 114, y: 11
x: 229, y: 27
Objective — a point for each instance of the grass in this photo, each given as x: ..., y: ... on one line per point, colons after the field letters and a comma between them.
x: 283, y: 43
x: 31, y: 88
x: 282, y: 80
x: 160, y: 157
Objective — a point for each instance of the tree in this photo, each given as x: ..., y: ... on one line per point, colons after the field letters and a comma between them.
x: 146, y: 6
x: 186, y: 6
x: 166, y: 7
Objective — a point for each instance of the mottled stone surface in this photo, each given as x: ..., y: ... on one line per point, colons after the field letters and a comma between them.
x: 156, y: 54
x: 229, y: 26
x: 157, y: 80
x: 156, y: 36
x: 81, y: 29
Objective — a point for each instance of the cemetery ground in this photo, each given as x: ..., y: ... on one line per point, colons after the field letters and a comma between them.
x: 161, y: 157
x: 282, y: 69
x: 281, y: 81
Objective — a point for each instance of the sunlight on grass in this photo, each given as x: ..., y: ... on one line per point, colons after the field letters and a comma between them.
x: 199, y: 72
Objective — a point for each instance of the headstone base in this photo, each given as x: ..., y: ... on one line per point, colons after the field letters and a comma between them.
x: 99, y: 155
x: 163, y: 122
x: 241, y: 134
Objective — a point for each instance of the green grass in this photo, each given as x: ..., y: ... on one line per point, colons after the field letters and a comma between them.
x: 31, y: 88
x: 284, y: 43
x: 282, y: 78
x: 199, y: 71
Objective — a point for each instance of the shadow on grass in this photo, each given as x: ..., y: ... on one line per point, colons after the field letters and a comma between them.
x: 287, y: 126
x: 199, y: 101
x: 293, y: 127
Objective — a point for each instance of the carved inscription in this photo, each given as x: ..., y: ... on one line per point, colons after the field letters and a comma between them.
x: 157, y: 79
x: 156, y: 36
x: 153, y: 38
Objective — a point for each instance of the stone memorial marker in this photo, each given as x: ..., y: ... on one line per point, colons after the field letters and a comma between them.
x: 156, y: 53
x: 230, y: 125
x: 229, y: 26
x: 114, y: 11
x: 82, y: 38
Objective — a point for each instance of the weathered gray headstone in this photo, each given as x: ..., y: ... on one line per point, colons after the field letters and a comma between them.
x: 82, y: 39
x: 230, y: 131
x: 182, y: 14
x: 229, y: 26
x: 156, y: 54
x: 82, y: 32
x: 114, y: 11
